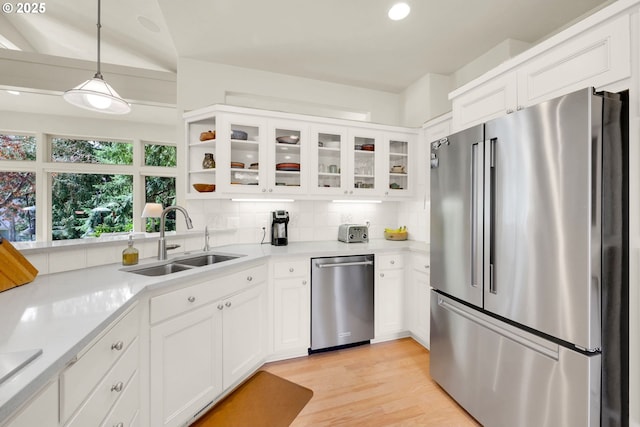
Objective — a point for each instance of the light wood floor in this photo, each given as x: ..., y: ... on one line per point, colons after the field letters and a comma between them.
x: 385, y: 384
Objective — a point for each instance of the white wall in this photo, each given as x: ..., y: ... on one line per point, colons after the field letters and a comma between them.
x: 425, y: 99
x: 202, y: 83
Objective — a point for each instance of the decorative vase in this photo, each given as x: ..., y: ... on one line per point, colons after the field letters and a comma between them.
x: 208, y: 162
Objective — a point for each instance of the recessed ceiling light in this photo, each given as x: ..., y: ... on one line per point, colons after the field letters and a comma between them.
x: 399, y: 11
x: 13, y: 92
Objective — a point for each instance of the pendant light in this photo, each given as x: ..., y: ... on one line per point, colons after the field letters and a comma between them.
x: 95, y: 94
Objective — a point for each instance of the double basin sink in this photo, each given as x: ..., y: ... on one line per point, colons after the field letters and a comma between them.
x: 181, y: 264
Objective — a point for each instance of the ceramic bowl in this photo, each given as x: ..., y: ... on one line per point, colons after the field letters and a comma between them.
x: 204, y: 188
x: 238, y: 134
x: 289, y: 139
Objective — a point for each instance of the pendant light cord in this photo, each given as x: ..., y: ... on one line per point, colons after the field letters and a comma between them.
x: 98, y: 72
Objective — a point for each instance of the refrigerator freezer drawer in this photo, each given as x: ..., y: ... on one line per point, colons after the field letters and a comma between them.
x: 504, y: 376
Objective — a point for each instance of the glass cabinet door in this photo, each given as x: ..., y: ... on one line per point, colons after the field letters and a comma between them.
x: 398, y: 166
x: 288, y: 171
x: 200, y: 137
x: 365, y: 149
x: 246, y: 154
x: 329, y: 160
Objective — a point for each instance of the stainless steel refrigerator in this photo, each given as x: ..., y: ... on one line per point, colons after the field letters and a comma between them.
x: 529, y: 265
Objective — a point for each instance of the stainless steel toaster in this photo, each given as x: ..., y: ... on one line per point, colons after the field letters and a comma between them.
x: 353, y: 233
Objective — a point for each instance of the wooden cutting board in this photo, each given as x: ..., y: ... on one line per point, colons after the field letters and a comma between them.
x: 15, y: 269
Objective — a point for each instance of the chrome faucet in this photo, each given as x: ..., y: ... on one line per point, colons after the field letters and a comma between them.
x: 206, y: 239
x: 162, y: 244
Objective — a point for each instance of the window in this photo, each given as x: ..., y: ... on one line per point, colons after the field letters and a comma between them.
x: 90, y: 185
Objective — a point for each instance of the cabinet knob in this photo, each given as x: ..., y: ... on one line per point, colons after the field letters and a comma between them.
x: 346, y: 192
x: 191, y: 299
x: 117, y: 387
x: 392, y: 262
x: 228, y: 303
x: 249, y: 278
x: 291, y: 270
x: 117, y: 346
x: 381, y: 274
x: 220, y: 306
x: 270, y: 190
x: 264, y: 190
x: 120, y: 424
x: 509, y: 110
x: 426, y: 267
x: 520, y: 107
x: 304, y: 282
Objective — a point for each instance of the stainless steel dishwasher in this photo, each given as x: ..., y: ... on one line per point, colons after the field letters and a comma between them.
x: 341, y: 301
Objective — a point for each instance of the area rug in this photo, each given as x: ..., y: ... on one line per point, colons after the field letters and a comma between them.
x: 264, y: 400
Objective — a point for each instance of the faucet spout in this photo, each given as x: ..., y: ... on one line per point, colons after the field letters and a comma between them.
x: 162, y: 244
x: 206, y: 239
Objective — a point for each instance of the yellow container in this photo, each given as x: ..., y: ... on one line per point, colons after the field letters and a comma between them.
x: 396, y: 235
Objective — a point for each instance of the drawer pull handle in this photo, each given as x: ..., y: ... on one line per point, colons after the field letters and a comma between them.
x: 191, y: 299
x: 228, y: 303
x: 290, y: 269
x: 117, y: 346
x: 249, y: 278
x: 120, y: 424
x: 117, y: 387
x: 220, y: 306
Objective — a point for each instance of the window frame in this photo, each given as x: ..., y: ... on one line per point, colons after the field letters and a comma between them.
x: 44, y: 166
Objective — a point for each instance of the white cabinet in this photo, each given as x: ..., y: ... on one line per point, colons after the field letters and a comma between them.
x: 328, y: 159
x: 365, y: 170
x: 288, y: 162
x: 389, y: 297
x: 185, y: 365
x: 596, y: 57
x: 291, y: 307
x: 204, y: 339
x: 418, y: 298
x: 95, y: 382
x: 244, y: 332
x: 40, y: 411
x: 399, y: 153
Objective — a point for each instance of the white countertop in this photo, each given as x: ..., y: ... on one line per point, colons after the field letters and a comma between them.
x: 61, y: 313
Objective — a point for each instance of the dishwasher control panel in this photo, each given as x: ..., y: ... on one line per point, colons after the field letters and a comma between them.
x: 353, y: 233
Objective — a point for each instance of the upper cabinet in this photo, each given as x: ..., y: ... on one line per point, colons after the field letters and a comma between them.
x: 268, y: 153
x: 579, y: 57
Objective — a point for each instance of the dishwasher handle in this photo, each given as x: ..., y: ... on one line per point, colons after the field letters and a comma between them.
x: 343, y: 264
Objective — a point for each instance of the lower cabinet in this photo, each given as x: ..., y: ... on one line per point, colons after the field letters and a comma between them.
x: 40, y: 411
x: 198, y: 354
x: 389, y: 297
x: 291, y: 308
x: 418, y: 298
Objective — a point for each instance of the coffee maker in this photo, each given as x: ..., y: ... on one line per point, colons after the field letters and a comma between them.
x: 279, y: 224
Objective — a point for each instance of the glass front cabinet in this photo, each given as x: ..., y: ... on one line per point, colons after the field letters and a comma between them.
x: 234, y: 150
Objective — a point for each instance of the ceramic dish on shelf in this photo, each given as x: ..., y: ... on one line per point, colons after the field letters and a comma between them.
x: 204, y: 188
x: 239, y: 134
x: 331, y: 144
x: 368, y: 147
x: 206, y: 136
x: 288, y: 139
x: 253, y: 166
x: 288, y: 167
x: 237, y: 165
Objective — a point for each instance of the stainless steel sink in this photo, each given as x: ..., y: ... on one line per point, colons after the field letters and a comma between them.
x: 201, y: 260
x: 160, y: 270
x: 181, y: 264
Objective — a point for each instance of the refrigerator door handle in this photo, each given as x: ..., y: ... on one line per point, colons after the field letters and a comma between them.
x: 550, y: 350
x: 491, y: 214
x: 476, y: 217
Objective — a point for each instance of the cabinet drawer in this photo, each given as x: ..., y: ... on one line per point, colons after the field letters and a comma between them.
x: 185, y: 299
x: 421, y: 263
x: 286, y: 269
x: 387, y: 262
x: 77, y: 381
x: 126, y: 408
x: 109, y: 390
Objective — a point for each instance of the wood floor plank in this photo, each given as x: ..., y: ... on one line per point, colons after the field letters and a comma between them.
x: 385, y: 384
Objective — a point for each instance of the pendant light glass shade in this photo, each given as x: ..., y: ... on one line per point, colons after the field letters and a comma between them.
x: 95, y: 94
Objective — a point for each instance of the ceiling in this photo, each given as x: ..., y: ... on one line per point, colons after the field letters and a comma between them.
x: 344, y: 41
